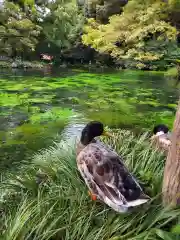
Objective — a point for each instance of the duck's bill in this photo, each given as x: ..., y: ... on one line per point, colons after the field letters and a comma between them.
x: 107, y: 134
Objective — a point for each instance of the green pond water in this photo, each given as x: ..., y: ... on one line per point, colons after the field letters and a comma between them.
x: 38, y: 107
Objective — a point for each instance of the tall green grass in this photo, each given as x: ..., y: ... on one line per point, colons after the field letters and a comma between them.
x: 54, y: 204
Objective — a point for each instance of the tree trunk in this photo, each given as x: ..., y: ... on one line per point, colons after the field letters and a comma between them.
x: 171, y: 181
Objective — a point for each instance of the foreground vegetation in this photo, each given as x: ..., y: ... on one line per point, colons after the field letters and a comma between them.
x: 54, y: 203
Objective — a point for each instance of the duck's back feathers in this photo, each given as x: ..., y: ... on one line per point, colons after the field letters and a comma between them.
x: 108, y: 178
x: 161, y: 137
x: 162, y: 142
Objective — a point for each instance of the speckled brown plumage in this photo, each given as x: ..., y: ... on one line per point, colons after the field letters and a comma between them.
x: 106, y: 176
x: 162, y: 142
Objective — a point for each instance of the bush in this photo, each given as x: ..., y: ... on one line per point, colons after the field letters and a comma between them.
x: 54, y: 203
x: 21, y: 64
x: 4, y: 64
x: 25, y: 64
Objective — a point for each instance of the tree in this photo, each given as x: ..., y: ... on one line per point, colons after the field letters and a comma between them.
x: 101, y: 10
x: 18, y: 33
x: 171, y: 181
x: 174, y: 14
x: 141, y: 33
x: 63, y: 24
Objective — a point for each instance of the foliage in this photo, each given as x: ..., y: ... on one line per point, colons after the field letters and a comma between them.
x: 24, y: 24
x: 63, y: 25
x: 5, y: 64
x: 144, y: 34
x: 18, y: 33
x: 141, y: 32
x: 101, y: 10
x: 46, y: 199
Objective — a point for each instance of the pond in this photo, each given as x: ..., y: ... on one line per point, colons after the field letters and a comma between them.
x: 38, y: 106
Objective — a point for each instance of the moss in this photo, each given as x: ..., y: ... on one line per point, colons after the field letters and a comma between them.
x: 34, y: 109
x: 126, y: 99
x: 145, y: 94
x: 172, y: 105
x: 167, y: 117
x: 16, y: 87
x: 112, y: 118
x: 41, y: 99
x: 73, y: 100
x: 9, y: 99
x: 53, y: 85
x: 32, y: 136
x: 98, y: 104
x: 133, y: 100
x: 55, y: 114
x: 150, y: 102
x: 172, y: 72
x: 40, y: 88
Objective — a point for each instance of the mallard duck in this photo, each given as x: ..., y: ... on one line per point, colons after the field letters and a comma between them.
x: 104, y: 172
x: 161, y: 137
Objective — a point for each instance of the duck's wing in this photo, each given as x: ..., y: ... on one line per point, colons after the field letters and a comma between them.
x: 169, y: 136
x: 163, y: 141
x: 106, y: 174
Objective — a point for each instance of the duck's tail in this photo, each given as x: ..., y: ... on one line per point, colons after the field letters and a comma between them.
x: 137, y: 202
x: 143, y: 198
x: 122, y: 208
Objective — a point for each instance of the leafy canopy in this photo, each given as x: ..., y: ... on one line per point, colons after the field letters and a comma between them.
x: 63, y: 24
x: 141, y: 32
x: 18, y: 33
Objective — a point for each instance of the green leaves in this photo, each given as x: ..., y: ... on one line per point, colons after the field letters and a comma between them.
x: 176, y: 229
x: 18, y: 32
x: 141, y: 32
x: 65, y: 25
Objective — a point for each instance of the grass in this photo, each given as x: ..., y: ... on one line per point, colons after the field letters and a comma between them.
x: 47, y: 199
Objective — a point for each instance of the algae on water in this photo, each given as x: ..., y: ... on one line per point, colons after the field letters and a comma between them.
x: 33, y: 110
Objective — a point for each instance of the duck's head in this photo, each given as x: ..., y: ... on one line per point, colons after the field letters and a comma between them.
x: 93, y: 129
x: 160, y: 129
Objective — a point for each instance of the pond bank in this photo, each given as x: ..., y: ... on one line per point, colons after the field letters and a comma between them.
x: 21, y: 64
x: 92, y: 64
